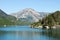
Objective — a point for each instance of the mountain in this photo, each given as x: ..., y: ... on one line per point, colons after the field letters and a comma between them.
x: 6, y: 19
x: 28, y: 14
x: 24, y: 17
x: 52, y: 19
x: 3, y: 14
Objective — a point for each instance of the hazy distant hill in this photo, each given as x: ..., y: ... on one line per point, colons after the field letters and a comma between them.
x: 43, y: 14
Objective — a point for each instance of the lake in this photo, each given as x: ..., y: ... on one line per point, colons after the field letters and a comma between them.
x: 27, y: 33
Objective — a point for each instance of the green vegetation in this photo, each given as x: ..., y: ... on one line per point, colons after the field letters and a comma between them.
x: 19, y: 22
x: 50, y: 20
x: 10, y: 20
x: 4, y: 21
x: 36, y: 24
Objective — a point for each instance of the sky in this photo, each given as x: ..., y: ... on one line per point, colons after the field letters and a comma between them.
x: 12, y: 6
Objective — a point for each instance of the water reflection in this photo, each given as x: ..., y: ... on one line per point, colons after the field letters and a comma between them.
x: 30, y: 35
x: 53, y: 33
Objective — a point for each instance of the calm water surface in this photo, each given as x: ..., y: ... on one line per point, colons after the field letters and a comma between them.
x: 27, y: 33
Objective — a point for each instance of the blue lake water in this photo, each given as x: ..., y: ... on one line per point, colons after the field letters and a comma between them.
x: 27, y: 33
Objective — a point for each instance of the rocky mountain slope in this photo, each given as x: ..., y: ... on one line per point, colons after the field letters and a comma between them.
x: 28, y: 14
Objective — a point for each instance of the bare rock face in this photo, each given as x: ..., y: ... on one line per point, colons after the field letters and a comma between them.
x: 27, y: 14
